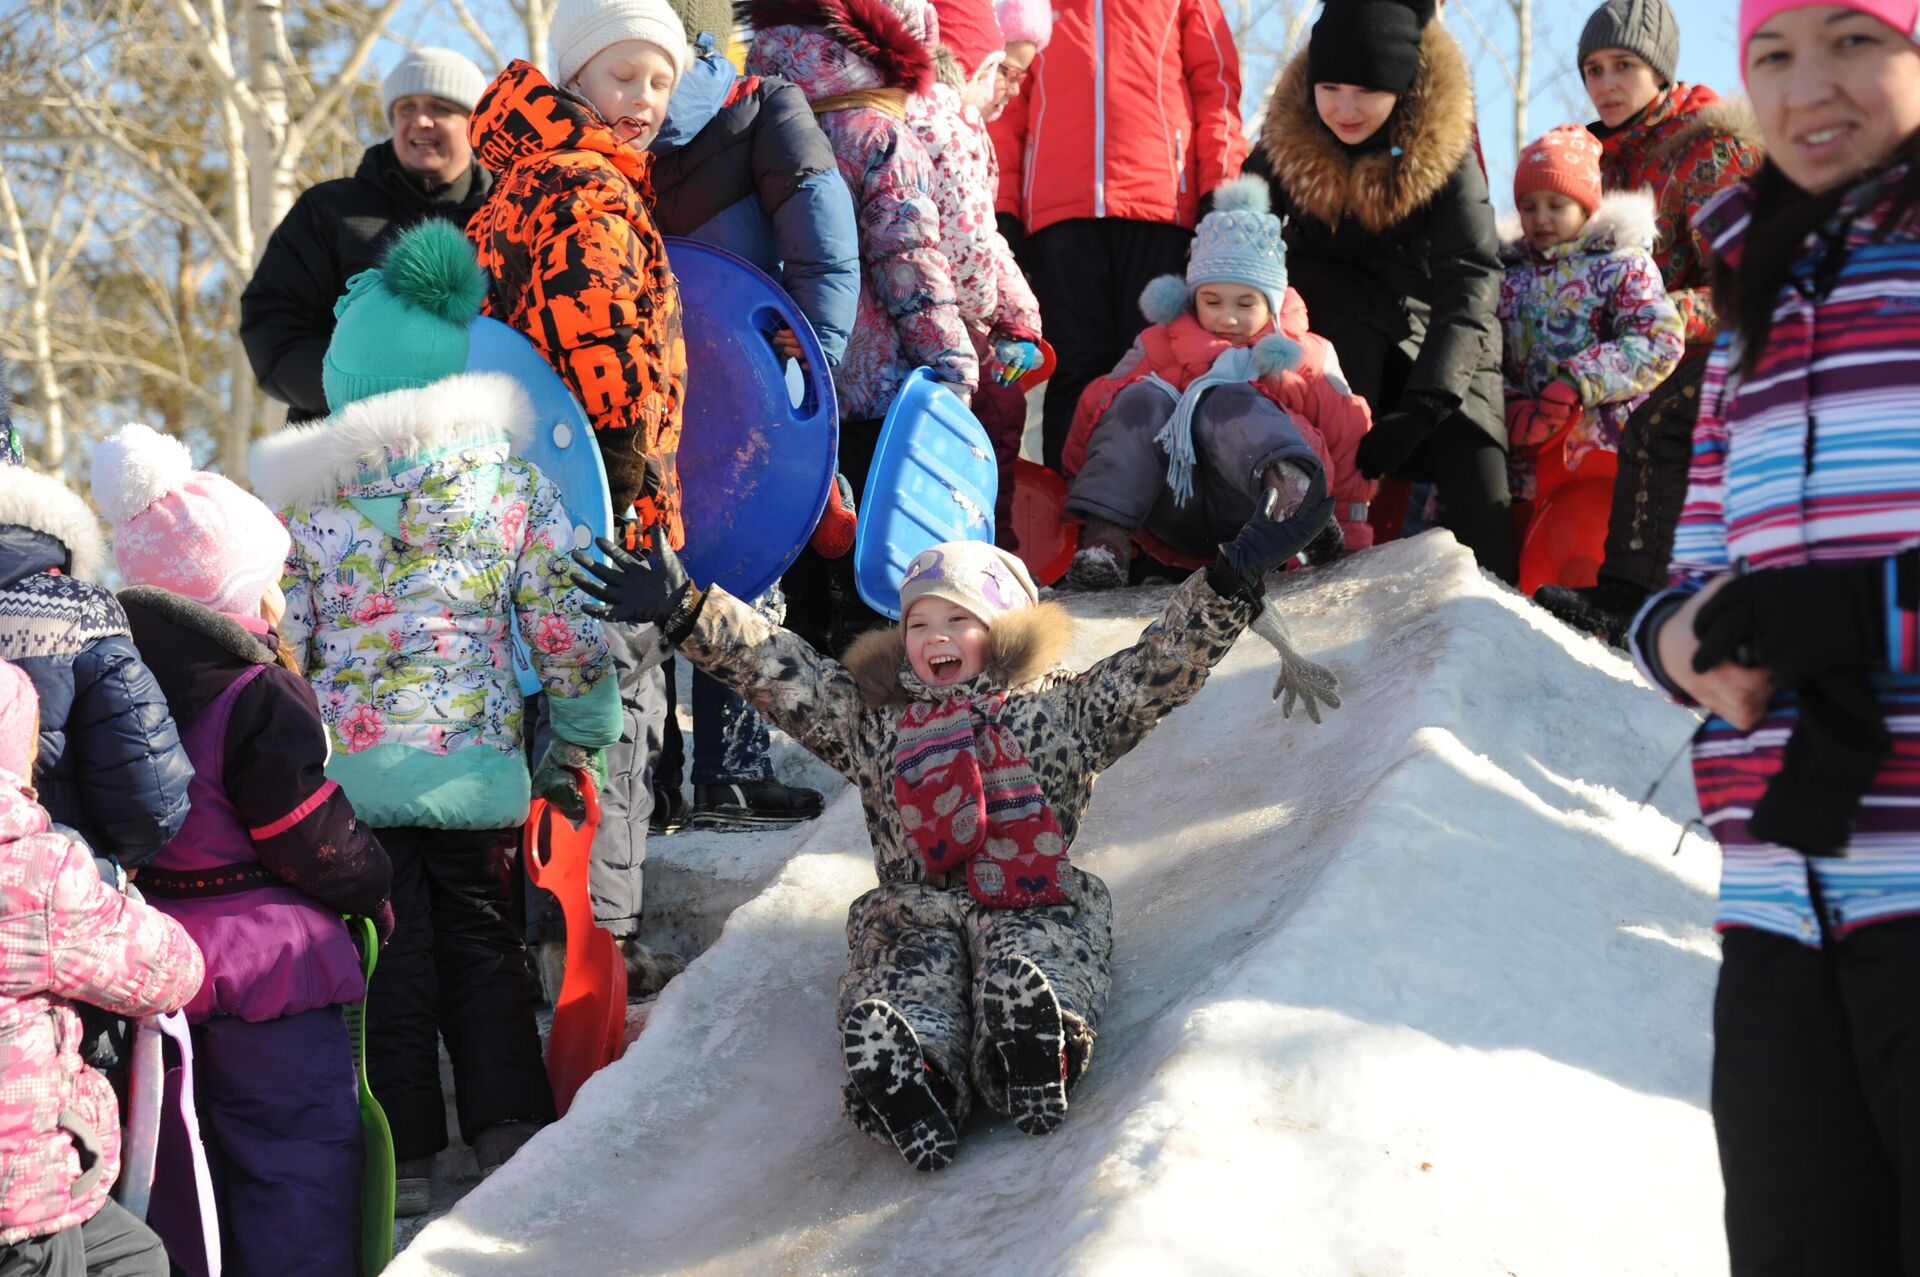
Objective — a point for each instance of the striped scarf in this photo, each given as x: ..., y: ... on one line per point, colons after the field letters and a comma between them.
x: 968, y: 796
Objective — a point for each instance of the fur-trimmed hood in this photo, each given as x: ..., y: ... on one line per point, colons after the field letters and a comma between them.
x: 1624, y: 222
x: 1022, y: 647
x: 830, y: 47
x: 1429, y: 133
x: 1727, y: 117
x: 305, y: 465
x: 42, y: 503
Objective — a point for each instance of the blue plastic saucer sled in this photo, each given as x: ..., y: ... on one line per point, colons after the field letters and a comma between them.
x: 756, y: 458
x: 561, y: 448
x: 933, y: 480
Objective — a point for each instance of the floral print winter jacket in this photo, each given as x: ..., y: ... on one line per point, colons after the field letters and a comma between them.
x: 579, y: 267
x: 66, y: 936
x: 1686, y: 147
x: 857, y: 62
x: 1071, y: 726
x: 1594, y: 312
x: 420, y: 546
x: 994, y: 295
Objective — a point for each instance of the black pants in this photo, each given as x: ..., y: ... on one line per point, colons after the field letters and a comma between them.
x: 454, y: 969
x: 823, y: 605
x: 1656, y: 454
x: 1816, y: 1102
x: 1088, y: 273
x: 111, y: 1244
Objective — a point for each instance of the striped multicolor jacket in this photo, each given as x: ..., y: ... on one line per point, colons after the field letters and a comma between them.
x: 1814, y: 456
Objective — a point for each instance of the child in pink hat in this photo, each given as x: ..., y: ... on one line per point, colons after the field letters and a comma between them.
x: 269, y: 859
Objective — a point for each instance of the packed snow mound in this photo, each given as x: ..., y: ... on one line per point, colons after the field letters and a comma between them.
x: 1424, y: 990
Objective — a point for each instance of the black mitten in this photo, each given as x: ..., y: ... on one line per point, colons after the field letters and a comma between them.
x: 1797, y: 622
x: 1265, y: 544
x: 1829, y: 763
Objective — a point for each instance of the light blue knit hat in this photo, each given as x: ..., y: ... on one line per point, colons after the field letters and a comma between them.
x: 1239, y: 243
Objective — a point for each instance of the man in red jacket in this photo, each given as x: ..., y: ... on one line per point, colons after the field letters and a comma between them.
x: 1129, y: 120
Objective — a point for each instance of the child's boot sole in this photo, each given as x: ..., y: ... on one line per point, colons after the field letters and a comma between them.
x: 887, y: 1068
x: 1023, y: 1022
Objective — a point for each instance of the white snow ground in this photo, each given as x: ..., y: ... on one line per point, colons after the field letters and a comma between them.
x: 1421, y: 991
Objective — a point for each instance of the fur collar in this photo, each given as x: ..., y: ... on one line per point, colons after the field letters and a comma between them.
x: 1624, y: 222
x: 1432, y: 126
x: 1021, y: 647
x: 1729, y: 117
x: 871, y: 30
x: 306, y: 465
x: 29, y: 499
x: 188, y: 615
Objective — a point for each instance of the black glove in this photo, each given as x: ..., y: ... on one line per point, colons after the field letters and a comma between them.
x: 652, y: 589
x: 1012, y: 231
x: 1393, y: 438
x: 1264, y: 544
x: 1797, y: 622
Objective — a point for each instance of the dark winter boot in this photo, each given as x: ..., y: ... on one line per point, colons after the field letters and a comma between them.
x: 1101, y: 561
x: 887, y: 1070
x: 1022, y: 1020
x: 499, y: 1142
x: 753, y: 804
x: 1604, y: 610
x: 669, y: 810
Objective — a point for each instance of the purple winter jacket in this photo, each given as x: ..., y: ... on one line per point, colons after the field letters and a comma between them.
x: 272, y: 854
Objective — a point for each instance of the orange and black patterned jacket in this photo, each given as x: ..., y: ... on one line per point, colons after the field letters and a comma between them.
x: 578, y: 266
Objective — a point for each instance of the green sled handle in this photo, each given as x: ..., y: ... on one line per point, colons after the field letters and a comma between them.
x: 377, y: 1181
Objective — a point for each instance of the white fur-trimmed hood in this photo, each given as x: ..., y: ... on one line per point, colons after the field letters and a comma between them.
x: 29, y: 499
x: 305, y: 465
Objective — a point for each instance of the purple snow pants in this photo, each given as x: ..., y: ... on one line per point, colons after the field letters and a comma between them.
x: 280, y: 1117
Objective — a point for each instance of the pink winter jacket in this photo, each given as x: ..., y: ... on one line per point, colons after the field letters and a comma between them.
x: 65, y: 935
x: 995, y: 297
x: 858, y: 58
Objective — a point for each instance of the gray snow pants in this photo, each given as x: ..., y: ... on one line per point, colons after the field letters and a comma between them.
x: 920, y: 948
x: 620, y: 846
x: 1237, y: 434
x: 111, y: 1244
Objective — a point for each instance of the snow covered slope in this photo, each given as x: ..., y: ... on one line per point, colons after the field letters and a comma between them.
x: 1421, y: 991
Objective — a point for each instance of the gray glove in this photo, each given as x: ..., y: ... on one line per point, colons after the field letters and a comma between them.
x: 1300, y: 679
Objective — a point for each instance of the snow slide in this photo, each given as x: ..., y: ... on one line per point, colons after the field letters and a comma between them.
x: 1424, y: 990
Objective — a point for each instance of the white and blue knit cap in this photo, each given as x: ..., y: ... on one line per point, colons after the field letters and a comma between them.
x: 439, y: 73
x: 1239, y: 243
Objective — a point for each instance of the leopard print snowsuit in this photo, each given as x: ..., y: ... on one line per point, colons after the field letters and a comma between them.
x: 918, y: 939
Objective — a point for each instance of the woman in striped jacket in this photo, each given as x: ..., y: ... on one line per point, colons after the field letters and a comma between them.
x: 1795, y: 619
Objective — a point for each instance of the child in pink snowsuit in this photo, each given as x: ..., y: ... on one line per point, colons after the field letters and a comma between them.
x: 65, y: 936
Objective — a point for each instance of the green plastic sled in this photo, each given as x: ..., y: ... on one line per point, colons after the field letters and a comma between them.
x: 377, y: 1181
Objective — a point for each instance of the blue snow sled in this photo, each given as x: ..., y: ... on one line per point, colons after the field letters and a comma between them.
x: 756, y: 457
x: 933, y: 480
x: 561, y: 447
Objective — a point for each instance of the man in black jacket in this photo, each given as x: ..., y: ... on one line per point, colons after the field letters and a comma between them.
x: 337, y: 229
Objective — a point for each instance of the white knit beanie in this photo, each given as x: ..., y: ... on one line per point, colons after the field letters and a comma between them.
x: 581, y: 28
x: 439, y: 73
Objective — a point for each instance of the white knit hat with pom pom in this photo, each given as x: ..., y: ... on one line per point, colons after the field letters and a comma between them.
x: 197, y: 534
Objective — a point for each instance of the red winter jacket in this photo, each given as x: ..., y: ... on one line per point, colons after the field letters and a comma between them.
x: 1132, y: 111
x: 1333, y: 419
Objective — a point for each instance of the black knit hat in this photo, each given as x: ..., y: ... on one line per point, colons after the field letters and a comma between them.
x: 1371, y: 43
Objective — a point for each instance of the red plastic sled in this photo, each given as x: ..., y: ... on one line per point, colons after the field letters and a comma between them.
x: 1048, y: 537
x: 1566, y: 539
x: 590, y: 1015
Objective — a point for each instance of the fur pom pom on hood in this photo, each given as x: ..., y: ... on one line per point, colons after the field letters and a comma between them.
x: 1164, y: 300
x: 870, y: 30
x: 134, y: 467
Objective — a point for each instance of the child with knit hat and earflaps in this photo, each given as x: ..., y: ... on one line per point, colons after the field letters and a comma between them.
x: 981, y: 963
x: 420, y: 545
x: 271, y: 855
x: 1588, y: 328
x: 1226, y: 395
x: 67, y: 937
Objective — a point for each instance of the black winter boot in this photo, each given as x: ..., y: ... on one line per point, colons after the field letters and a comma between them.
x: 887, y: 1071
x: 753, y: 804
x: 1022, y: 1020
x: 1604, y: 610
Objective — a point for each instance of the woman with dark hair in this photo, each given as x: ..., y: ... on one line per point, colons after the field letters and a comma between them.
x: 1369, y: 148
x: 1794, y: 618
x: 1685, y: 144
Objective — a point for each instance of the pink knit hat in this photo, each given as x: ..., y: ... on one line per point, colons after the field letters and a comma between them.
x: 198, y: 534
x: 1026, y: 20
x: 1902, y: 15
x: 19, y: 718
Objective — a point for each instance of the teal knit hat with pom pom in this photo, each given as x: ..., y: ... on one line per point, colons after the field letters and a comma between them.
x: 403, y: 324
